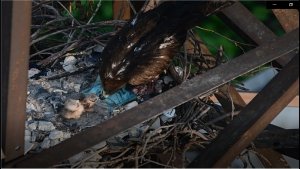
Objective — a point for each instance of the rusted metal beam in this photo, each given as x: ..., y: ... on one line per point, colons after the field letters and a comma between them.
x: 288, y: 18
x: 15, y: 54
x: 170, y: 99
x: 248, y: 96
x: 253, y: 119
x: 275, y: 159
x: 241, y: 18
x: 121, y: 10
x: 277, y: 138
x: 227, y: 95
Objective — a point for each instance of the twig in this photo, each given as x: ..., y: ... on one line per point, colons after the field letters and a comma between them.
x: 49, y: 7
x: 231, y: 40
x: 195, y: 133
x: 120, y: 155
x: 132, y: 7
x: 91, y: 18
x: 89, y: 157
x: 79, y: 70
x: 222, y: 117
x: 53, y: 47
x: 75, y: 27
x: 151, y: 161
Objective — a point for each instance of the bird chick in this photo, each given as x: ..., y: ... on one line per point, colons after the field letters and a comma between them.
x: 89, y: 102
x: 73, y: 109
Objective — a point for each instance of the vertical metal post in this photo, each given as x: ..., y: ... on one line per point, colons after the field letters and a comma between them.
x: 16, y: 16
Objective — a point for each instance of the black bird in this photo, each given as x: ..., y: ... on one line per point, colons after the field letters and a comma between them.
x: 145, y: 46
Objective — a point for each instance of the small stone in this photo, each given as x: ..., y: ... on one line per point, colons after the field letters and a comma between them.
x: 77, y: 87
x: 169, y: 113
x: 56, y: 134
x: 33, y: 126
x: 158, y: 86
x: 33, y: 136
x: 156, y: 124
x: 26, y: 125
x: 98, y: 48
x: 168, y: 79
x: 134, y: 133
x: 122, y: 135
x: 45, y: 126
x: 28, y: 138
x: 46, y: 143
x: 130, y: 105
x: 165, y: 118
x: 66, y: 135
x: 202, y: 131
x: 144, y: 128
x: 54, y: 142
x: 69, y: 64
x: 77, y: 157
x: 179, y: 70
x: 27, y: 147
x: 27, y: 133
x: 100, y: 145
x: 49, y: 115
x: 32, y: 72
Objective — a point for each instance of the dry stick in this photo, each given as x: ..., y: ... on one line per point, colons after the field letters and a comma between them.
x: 193, y: 132
x: 53, y: 47
x: 148, y: 160
x: 49, y: 7
x: 132, y: 7
x: 54, y: 56
x: 223, y: 36
x: 125, y: 151
x: 38, y: 5
x: 222, y: 117
x: 79, y: 70
x: 71, y: 28
x: 231, y: 100
x: 33, y: 36
x: 89, y: 157
x: 154, y: 132
x: 74, y: 19
x: 91, y: 18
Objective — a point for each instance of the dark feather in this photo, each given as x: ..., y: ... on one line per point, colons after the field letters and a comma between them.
x: 144, y: 47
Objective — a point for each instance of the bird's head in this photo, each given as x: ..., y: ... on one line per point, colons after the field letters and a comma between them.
x: 110, y: 86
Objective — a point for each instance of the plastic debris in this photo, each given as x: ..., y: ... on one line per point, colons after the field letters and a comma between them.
x: 113, y: 101
x: 32, y: 72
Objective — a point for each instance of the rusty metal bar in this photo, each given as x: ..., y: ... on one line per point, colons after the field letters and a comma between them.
x: 172, y: 98
x: 253, y: 119
x: 121, y: 10
x: 16, y: 35
x: 241, y: 18
x: 248, y: 96
x: 275, y: 159
x: 288, y: 18
x: 226, y: 94
x: 277, y: 138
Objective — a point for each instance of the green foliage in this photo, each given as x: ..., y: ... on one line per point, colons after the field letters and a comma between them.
x: 265, y: 15
x: 82, y: 10
x: 213, y: 39
x: 214, y: 27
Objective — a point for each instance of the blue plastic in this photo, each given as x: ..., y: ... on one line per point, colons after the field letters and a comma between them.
x: 113, y: 101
